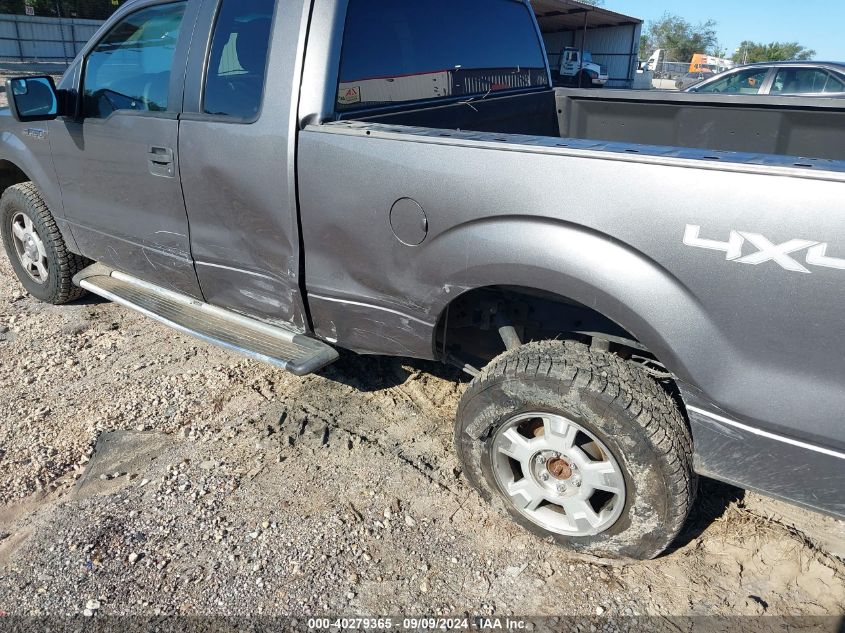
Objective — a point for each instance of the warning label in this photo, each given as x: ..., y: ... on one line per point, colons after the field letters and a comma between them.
x: 348, y: 96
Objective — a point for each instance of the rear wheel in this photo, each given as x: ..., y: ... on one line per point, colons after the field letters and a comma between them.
x: 35, y: 246
x: 580, y: 447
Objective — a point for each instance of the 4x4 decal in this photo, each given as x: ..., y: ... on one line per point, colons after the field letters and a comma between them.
x: 815, y: 252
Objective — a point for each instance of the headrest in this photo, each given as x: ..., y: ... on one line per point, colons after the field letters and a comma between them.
x: 253, y: 43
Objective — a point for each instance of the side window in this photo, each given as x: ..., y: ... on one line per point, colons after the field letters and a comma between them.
x: 130, y: 67
x: 794, y: 81
x: 746, y: 82
x: 835, y: 84
x: 237, y: 65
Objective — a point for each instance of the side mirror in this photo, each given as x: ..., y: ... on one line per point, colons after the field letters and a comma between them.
x: 32, y: 98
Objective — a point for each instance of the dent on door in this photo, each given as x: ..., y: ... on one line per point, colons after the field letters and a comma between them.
x: 120, y: 212
x: 244, y: 237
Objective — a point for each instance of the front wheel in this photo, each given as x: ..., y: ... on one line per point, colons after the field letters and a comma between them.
x: 580, y: 447
x: 584, y: 80
x: 35, y: 246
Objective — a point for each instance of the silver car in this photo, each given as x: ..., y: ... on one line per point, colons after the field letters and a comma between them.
x: 823, y: 79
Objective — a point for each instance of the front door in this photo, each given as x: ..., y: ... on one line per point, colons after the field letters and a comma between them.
x: 118, y: 161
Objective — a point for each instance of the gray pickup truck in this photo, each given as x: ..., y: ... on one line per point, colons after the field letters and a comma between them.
x: 644, y: 287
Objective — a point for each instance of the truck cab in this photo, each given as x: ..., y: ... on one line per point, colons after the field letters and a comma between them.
x: 577, y: 68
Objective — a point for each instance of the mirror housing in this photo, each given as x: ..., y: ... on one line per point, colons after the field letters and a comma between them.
x: 33, y: 98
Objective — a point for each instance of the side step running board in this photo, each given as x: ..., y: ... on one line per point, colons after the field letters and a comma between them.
x: 296, y: 353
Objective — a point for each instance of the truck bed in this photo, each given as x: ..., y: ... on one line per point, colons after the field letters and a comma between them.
x: 785, y: 126
x: 751, y: 130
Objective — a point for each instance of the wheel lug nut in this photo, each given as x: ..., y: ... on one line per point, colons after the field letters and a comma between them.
x: 541, y: 459
x: 544, y: 476
x: 561, y: 488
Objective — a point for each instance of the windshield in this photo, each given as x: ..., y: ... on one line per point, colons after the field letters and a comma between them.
x: 396, y: 52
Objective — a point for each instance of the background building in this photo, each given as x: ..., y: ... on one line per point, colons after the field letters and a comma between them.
x: 612, y: 38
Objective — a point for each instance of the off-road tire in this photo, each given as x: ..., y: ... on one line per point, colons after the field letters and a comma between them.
x: 617, y: 402
x: 63, y: 265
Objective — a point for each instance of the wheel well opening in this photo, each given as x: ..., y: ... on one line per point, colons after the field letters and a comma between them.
x: 469, y: 331
x: 10, y: 174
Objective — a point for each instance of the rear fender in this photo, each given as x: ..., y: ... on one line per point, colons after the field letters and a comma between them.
x: 593, y: 269
x: 401, y: 316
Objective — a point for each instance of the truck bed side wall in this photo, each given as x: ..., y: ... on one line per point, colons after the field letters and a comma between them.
x: 779, y: 126
x: 788, y: 126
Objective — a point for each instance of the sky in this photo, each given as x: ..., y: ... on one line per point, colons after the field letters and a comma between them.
x: 816, y: 24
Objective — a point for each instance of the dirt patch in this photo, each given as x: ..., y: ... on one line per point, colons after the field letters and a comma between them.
x: 233, y: 488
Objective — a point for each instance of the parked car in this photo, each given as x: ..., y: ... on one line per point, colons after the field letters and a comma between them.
x: 822, y: 79
x: 690, y: 79
x: 643, y: 287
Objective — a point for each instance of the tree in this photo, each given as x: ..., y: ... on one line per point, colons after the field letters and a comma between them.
x: 680, y: 38
x: 751, y: 52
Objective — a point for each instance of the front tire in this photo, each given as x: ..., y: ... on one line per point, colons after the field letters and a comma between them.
x: 35, y: 247
x: 580, y: 447
x: 584, y: 80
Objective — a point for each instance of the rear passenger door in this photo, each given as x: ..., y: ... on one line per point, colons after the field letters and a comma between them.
x: 117, y: 160
x: 237, y: 140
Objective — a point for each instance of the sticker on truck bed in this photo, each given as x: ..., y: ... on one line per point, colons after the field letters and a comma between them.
x: 350, y: 95
x: 767, y: 251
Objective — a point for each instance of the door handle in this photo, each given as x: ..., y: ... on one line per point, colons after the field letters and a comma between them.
x: 161, y: 162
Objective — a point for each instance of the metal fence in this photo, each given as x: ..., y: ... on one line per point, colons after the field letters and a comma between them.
x: 49, y: 31
x: 671, y: 70
x: 25, y: 38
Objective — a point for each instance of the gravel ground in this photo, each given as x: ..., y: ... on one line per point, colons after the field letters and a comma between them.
x: 224, y: 487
